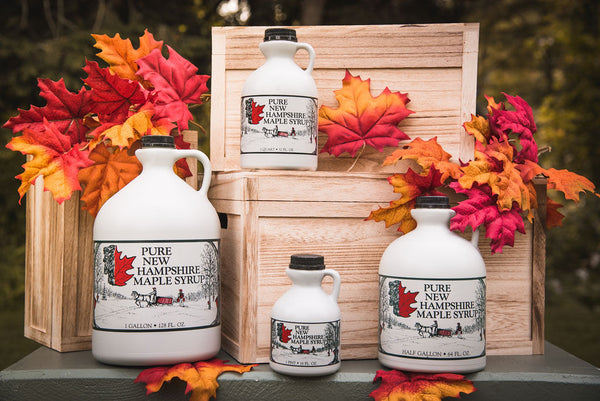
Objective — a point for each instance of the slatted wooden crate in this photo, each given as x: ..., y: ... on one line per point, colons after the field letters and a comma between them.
x: 273, y: 214
x: 435, y: 64
x: 59, y: 267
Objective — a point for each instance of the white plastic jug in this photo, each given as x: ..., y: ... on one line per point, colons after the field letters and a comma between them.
x: 279, y: 116
x: 432, y: 296
x: 305, y: 321
x: 156, y: 266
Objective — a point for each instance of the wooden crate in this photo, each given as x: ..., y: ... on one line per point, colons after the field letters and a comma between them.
x: 59, y: 267
x: 272, y: 215
x: 435, y: 64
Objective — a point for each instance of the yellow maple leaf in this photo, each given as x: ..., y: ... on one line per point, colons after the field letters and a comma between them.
x: 479, y: 127
x: 121, y: 56
x: 136, y: 126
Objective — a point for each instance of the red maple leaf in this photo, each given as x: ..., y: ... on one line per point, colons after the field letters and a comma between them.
x: 362, y: 119
x: 481, y: 208
x: 285, y: 334
x: 121, y: 267
x: 257, y: 110
x: 64, y: 109
x: 112, y: 95
x: 176, y: 84
x: 402, y: 301
x: 396, y: 385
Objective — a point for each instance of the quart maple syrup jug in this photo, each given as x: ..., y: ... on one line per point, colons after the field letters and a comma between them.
x: 156, y: 266
x: 432, y: 296
x: 305, y: 321
x: 279, y: 117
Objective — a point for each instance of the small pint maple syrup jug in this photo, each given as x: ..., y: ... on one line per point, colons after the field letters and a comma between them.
x: 432, y: 296
x: 156, y: 266
x: 279, y: 116
x: 305, y: 321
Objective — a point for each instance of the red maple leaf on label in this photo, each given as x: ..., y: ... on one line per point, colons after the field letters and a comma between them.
x: 257, y: 110
x: 285, y: 334
x: 121, y: 267
x: 400, y: 299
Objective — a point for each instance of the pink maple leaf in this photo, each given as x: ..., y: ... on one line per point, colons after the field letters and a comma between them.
x: 175, y: 83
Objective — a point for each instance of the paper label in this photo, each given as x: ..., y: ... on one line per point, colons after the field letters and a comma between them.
x: 156, y: 285
x: 305, y: 344
x: 279, y: 124
x: 432, y: 319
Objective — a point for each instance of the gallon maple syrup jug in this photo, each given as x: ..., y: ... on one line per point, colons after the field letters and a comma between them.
x: 432, y: 296
x: 305, y: 321
x: 156, y: 266
x: 279, y: 116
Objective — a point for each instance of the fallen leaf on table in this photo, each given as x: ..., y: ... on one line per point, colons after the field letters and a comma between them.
x: 201, y: 377
x: 362, y: 119
x: 399, y: 386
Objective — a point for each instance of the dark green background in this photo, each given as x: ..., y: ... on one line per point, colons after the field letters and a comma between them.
x: 547, y: 52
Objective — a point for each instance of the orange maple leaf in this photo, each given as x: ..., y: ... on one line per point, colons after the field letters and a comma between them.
x: 121, y: 56
x: 201, y: 377
x: 112, y: 170
x: 53, y: 158
x: 361, y: 119
x: 399, y: 386
x: 426, y: 154
x: 553, y: 216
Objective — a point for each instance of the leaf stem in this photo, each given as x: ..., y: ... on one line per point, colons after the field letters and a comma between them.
x: 198, y: 126
x: 360, y: 152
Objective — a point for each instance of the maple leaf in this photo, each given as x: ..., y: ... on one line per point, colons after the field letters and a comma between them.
x: 121, y: 56
x: 121, y: 267
x: 426, y: 154
x: 284, y: 333
x: 201, y: 377
x: 176, y: 85
x: 553, y: 216
x: 111, y: 94
x: 65, y: 109
x: 400, y: 299
x: 112, y: 170
x: 182, y: 169
x: 409, y: 185
x: 361, y: 119
x: 397, y: 386
x: 479, y: 127
x: 257, y: 110
x: 481, y: 208
x: 136, y: 126
x: 53, y: 158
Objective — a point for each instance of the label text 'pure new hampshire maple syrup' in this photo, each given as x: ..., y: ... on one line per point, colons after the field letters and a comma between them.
x: 156, y: 266
x: 432, y: 296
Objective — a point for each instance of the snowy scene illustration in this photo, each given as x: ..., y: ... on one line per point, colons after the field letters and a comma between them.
x: 279, y: 125
x: 305, y: 344
x: 432, y: 319
x: 156, y: 285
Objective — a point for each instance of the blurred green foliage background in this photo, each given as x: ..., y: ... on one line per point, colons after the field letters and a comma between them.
x: 546, y: 51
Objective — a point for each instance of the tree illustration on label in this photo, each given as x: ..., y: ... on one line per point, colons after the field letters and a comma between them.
x: 401, y: 300
x: 283, y: 333
x: 121, y: 276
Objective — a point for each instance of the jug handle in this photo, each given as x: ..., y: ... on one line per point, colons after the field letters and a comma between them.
x: 336, y: 282
x: 202, y: 158
x: 311, y: 55
x: 475, y: 238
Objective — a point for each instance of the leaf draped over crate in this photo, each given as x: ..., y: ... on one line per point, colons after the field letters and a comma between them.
x: 201, y: 377
x: 85, y: 140
x: 398, y: 386
x: 497, y: 183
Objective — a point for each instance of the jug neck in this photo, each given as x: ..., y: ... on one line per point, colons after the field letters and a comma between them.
x: 433, y: 217
x: 279, y: 49
x: 157, y: 159
x: 305, y: 278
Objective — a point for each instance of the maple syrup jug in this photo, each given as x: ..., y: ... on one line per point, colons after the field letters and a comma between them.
x: 279, y: 117
x: 156, y: 266
x: 432, y: 296
x: 305, y: 321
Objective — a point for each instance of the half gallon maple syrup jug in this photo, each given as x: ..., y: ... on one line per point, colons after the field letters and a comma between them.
x: 156, y: 266
x: 432, y: 296
x: 279, y: 116
x: 305, y: 321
